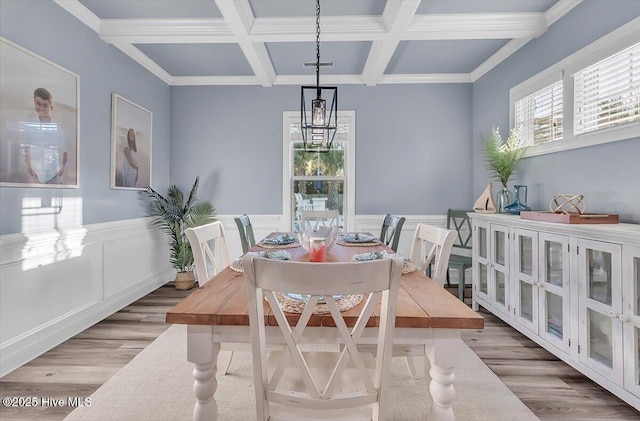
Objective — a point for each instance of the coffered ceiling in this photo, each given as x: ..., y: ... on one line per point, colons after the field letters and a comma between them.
x: 266, y: 42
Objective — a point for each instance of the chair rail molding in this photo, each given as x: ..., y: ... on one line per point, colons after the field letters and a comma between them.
x: 54, y: 284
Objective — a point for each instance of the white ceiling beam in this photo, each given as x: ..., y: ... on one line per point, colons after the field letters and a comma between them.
x: 214, y: 80
x: 426, y: 78
x: 397, y: 16
x: 554, y: 13
x: 239, y: 17
x: 334, y: 28
x: 166, y: 31
x: 476, y: 26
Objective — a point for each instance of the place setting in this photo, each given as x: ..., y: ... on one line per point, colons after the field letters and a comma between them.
x: 358, y: 239
x: 282, y: 241
x: 407, y: 266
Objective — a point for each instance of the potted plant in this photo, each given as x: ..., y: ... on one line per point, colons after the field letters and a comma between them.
x: 174, y: 216
x: 502, y: 157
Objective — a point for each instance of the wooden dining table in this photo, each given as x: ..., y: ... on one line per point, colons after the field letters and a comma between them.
x: 427, y: 315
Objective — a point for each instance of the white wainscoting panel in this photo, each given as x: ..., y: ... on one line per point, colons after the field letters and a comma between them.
x: 55, y: 284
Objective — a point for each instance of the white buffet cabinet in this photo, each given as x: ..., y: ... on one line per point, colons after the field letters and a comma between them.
x: 573, y: 289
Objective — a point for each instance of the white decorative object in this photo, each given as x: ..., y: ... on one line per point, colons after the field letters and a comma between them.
x: 484, y: 203
x: 328, y: 233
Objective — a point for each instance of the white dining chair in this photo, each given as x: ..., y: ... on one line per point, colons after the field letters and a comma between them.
x: 316, y: 219
x: 210, y: 261
x: 343, y: 385
x: 431, y: 245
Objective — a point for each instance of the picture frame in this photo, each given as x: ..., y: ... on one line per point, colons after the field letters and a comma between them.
x: 39, y: 120
x: 131, y: 140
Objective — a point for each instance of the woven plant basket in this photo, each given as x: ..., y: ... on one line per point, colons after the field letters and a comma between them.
x: 185, y: 280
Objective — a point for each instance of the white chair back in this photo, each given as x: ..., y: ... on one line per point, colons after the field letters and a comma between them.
x: 432, y: 245
x: 201, y: 238
x: 379, y: 282
x: 317, y: 219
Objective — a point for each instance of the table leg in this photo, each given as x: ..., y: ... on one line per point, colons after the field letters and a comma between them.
x: 203, y: 353
x: 443, y: 355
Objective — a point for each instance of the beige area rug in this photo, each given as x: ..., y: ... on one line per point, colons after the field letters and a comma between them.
x: 157, y: 386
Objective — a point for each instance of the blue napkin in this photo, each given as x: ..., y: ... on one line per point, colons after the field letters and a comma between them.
x: 280, y: 240
x: 276, y: 255
x: 358, y: 238
x: 374, y: 255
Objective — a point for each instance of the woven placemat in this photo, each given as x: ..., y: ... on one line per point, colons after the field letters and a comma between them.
x: 236, y: 266
x: 369, y: 244
x: 344, y: 303
x: 279, y: 246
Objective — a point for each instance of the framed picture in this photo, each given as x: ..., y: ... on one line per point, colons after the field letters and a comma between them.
x: 39, y: 121
x: 130, y: 145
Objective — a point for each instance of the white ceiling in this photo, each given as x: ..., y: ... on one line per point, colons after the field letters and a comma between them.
x: 266, y: 42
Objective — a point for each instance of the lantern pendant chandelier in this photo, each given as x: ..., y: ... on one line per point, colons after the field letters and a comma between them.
x: 319, y: 126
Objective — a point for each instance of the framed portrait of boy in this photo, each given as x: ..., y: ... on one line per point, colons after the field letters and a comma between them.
x: 131, y: 127
x: 39, y: 122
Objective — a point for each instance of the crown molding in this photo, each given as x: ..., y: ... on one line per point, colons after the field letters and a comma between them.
x: 426, y: 78
x: 558, y: 10
x: 80, y: 12
x: 145, y: 61
x: 551, y: 16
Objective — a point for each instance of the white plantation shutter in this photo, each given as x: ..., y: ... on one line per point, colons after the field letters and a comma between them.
x: 608, y: 93
x: 539, y: 115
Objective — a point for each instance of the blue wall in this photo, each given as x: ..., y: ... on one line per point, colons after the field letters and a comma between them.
x: 607, y: 175
x: 46, y: 29
x: 413, y: 146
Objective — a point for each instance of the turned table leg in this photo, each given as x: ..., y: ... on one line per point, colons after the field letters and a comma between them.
x: 443, y: 355
x: 203, y: 353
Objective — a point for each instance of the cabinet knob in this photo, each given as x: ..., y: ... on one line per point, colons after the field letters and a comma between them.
x: 623, y: 318
x: 614, y: 315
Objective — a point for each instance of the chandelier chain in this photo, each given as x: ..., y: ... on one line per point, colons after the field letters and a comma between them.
x: 317, y: 42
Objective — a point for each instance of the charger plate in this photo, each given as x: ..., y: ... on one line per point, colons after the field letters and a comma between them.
x: 293, y: 305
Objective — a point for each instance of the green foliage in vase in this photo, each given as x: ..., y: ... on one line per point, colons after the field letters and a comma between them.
x: 502, y: 156
x: 174, y: 216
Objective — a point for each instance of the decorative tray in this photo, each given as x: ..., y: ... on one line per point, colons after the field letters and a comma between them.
x: 572, y: 218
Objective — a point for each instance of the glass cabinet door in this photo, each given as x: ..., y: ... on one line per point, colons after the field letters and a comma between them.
x: 599, y: 275
x: 525, y: 274
x: 553, y: 289
x: 480, y: 240
x: 630, y: 317
x: 499, y: 268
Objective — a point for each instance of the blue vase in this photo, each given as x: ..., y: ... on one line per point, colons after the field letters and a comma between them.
x: 520, y: 204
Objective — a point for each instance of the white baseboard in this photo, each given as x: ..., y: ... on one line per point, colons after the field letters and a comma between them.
x: 55, y: 284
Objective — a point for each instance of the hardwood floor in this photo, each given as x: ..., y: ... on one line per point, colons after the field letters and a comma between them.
x: 76, y: 368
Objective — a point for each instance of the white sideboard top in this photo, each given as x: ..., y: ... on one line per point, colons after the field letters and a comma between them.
x: 615, y: 233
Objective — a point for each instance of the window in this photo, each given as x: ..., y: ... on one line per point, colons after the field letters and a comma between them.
x: 539, y: 115
x: 608, y: 93
x: 588, y: 98
x: 319, y: 181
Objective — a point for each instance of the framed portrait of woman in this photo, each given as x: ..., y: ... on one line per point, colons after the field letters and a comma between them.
x: 39, y: 125
x: 130, y: 145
